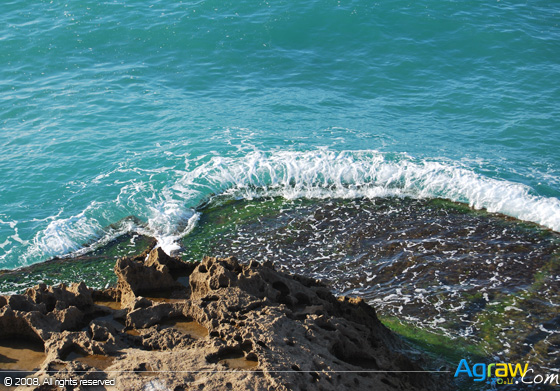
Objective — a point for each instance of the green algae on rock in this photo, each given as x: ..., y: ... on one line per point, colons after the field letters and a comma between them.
x: 439, y: 266
x: 94, y: 267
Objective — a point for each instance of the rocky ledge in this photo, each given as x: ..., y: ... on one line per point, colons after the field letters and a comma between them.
x: 213, y: 325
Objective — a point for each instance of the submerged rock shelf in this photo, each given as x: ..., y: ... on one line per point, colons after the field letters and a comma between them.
x: 94, y: 266
x: 233, y: 326
x: 457, y: 281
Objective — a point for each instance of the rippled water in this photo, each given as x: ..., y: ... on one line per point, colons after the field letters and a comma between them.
x: 342, y: 126
x: 110, y: 109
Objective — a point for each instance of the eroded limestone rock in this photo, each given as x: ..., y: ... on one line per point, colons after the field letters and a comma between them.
x: 232, y: 326
x: 139, y: 275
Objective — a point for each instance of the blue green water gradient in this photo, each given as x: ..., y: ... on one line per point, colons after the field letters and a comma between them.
x: 110, y: 109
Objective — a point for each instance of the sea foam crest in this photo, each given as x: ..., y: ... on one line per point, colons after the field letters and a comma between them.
x: 75, y: 235
x: 170, y: 220
x: 169, y: 209
x: 351, y: 174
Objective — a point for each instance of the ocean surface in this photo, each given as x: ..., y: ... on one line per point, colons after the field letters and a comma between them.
x: 110, y: 109
x: 407, y: 152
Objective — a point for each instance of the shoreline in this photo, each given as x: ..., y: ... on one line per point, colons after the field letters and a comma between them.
x: 441, y: 275
x: 429, y: 286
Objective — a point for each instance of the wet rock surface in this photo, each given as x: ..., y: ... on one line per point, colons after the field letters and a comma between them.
x: 232, y: 326
x: 455, y: 280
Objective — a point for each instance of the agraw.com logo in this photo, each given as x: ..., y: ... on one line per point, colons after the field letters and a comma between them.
x: 494, y: 373
x: 500, y: 373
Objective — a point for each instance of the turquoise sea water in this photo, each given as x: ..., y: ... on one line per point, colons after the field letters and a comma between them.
x: 110, y: 109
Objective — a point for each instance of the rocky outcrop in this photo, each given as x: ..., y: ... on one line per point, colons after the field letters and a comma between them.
x: 44, y: 310
x: 141, y: 275
x: 214, y: 325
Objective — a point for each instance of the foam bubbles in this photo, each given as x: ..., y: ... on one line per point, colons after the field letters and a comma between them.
x: 352, y: 174
x: 165, y: 199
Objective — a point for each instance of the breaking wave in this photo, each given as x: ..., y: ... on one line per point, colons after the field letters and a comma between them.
x: 167, y: 209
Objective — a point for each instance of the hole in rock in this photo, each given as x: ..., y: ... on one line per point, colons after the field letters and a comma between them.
x: 21, y: 354
x: 262, y: 344
x: 97, y: 361
x: 239, y: 362
x: 247, y: 346
x: 281, y: 287
x: 144, y: 369
x: 187, y: 326
x: 133, y: 332
x: 325, y: 325
x: 114, y: 305
x: 234, y: 358
x: 50, y: 303
x: 165, y: 296
x: 183, y: 280
x: 302, y: 299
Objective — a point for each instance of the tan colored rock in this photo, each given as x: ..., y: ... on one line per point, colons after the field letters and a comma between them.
x: 137, y: 276
x: 61, y: 296
x: 235, y: 327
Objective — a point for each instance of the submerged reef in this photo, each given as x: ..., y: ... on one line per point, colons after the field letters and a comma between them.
x: 209, y: 325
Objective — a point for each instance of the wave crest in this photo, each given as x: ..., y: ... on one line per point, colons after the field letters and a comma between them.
x: 352, y: 174
x: 168, y: 207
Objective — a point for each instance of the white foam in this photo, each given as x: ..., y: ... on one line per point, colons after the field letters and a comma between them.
x: 168, y: 207
x: 169, y: 243
x: 65, y: 235
x: 75, y: 235
x: 349, y: 174
x: 170, y: 220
